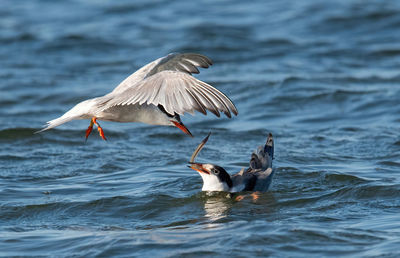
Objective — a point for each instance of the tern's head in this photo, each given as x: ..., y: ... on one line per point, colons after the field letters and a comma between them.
x: 215, y: 178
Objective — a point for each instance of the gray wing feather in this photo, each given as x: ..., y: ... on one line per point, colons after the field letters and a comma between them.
x: 207, y: 103
x: 186, y: 63
x: 177, y: 92
x: 221, y: 104
x: 196, y: 103
x: 182, y: 63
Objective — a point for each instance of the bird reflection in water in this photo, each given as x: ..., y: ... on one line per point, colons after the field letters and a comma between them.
x: 217, y: 205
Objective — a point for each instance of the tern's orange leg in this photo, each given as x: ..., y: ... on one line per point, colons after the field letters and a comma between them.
x: 89, y: 129
x: 93, y: 121
x: 101, y: 132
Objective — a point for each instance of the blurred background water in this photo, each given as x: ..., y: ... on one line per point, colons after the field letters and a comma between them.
x: 323, y: 77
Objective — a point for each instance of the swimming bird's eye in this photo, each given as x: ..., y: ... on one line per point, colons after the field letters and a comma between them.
x: 215, y: 171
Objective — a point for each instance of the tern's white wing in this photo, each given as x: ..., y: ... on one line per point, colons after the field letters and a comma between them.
x: 167, y: 81
x: 186, y: 63
x: 177, y: 91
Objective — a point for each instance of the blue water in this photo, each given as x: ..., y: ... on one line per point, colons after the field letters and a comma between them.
x: 323, y: 77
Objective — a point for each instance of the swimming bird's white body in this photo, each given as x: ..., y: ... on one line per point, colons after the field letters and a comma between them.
x: 155, y: 94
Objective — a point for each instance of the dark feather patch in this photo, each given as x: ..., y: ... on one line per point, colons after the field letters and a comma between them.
x: 181, y: 62
x: 224, y: 176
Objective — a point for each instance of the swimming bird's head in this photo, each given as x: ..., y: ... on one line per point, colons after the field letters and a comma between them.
x: 215, y: 178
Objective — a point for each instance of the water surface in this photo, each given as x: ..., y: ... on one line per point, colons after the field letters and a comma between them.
x: 322, y: 77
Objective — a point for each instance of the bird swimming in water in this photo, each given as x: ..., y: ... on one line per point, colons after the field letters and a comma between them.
x: 157, y: 94
x: 257, y: 177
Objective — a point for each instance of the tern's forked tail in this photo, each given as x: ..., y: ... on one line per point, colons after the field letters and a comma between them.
x: 81, y: 110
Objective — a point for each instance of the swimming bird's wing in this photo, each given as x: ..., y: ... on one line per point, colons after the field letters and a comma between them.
x: 261, y: 158
x: 170, y: 84
x: 258, y: 176
x: 244, y: 182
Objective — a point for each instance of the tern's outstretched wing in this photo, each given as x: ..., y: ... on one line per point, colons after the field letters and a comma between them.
x: 169, y: 83
x: 186, y: 63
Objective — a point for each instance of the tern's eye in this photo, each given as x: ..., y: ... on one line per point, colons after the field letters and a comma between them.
x: 215, y: 171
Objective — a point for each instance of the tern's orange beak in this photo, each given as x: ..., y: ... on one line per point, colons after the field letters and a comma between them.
x: 199, y: 168
x: 181, y: 126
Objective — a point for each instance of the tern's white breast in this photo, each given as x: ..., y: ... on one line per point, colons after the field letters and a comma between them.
x: 148, y: 114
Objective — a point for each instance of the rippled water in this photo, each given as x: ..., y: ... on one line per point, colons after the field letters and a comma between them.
x: 322, y: 77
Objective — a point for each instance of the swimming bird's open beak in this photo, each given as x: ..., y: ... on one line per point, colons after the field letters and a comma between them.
x: 181, y: 126
x: 198, y: 167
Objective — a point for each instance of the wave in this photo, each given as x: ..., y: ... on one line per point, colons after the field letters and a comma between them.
x: 16, y: 133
